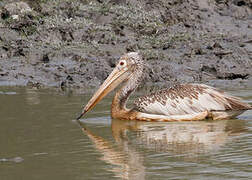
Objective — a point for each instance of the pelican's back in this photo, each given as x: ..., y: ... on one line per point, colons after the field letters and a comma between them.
x: 189, y: 99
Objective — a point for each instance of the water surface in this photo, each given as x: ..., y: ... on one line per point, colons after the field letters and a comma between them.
x: 40, y: 139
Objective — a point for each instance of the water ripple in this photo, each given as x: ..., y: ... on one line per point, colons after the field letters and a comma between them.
x: 15, y: 159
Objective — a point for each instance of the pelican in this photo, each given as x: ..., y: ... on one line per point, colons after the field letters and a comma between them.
x: 184, y: 102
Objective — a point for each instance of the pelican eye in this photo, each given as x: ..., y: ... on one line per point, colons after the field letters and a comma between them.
x: 122, y: 63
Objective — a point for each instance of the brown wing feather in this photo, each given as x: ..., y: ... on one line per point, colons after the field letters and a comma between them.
x: 188, y: 98
x: 236, y: 104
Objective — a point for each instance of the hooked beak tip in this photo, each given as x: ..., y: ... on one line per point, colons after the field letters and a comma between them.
x: 78, y: 118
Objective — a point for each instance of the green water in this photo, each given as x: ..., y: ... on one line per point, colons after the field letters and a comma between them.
x: 39, y: 139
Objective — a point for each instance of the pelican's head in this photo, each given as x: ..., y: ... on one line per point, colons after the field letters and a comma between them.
x: 126, y: 65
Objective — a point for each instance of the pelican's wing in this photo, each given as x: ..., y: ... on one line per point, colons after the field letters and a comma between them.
x: 187, y: 99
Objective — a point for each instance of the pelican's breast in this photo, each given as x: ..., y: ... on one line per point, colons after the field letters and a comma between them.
x: 188, y: 99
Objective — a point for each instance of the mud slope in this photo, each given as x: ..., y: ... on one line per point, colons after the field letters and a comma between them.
x: 75, y: 43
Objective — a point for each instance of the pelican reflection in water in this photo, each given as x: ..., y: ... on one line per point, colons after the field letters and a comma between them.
x: 186, y: 140
x: 185, y: 102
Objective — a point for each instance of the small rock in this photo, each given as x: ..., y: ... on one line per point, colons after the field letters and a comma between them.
x: 199, y: 51
x: 45, y: 58
x: 15, y: 17
x: 187, y: 25
x: 69, y: 78
x: 217, y: 45
x: 222, y: 53
x: 209, y: 47
x: 239, y: 2
x: 17, y: 8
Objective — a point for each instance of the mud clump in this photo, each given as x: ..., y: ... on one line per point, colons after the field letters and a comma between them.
x: 75, y: 44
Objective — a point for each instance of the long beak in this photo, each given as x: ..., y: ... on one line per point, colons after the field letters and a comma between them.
x: 115, y: 78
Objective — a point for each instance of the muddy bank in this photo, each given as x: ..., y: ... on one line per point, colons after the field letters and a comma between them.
x: 75, y: 44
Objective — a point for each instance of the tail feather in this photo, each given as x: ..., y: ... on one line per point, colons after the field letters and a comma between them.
x: 237, y: 104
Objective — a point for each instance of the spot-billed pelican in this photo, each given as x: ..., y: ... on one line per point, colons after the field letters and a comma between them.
x: 184, y: 102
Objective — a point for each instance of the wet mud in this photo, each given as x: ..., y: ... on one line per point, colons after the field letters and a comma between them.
x: 76, y: 43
